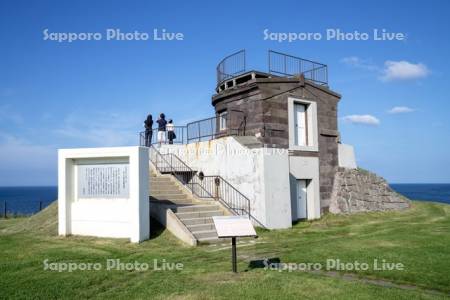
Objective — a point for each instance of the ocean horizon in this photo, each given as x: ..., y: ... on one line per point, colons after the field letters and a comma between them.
x: 26, y: 200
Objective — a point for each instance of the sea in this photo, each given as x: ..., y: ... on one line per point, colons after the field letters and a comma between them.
x: 29, y: 200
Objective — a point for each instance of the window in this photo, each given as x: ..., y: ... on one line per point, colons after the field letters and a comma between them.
x: 303, y: 131
x: 300, y: 125
x: 223, y: 116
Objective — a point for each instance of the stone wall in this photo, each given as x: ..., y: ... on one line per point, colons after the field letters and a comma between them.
x: 357, y: 190
x: 264, y: 102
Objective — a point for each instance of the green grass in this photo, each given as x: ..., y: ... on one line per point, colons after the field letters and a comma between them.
x: 419, y: 238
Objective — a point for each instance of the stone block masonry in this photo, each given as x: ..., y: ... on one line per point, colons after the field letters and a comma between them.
x: 357, y: 190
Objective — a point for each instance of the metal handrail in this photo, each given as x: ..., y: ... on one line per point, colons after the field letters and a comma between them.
x: 180, y: 133
x: 230, y: 66
x: 214, y: 187
x: 316, y: 72
x: 198, y: 131
x: 280, y: 64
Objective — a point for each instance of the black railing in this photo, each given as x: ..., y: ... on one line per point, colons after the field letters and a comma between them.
x: 287, y: 65
x: 213, y: 187
x: 231, y: 66
x: 216, y: 127
x: 178, y: 136
x: 280, y: 64
x: 233, y: 123
x: 21, y: 208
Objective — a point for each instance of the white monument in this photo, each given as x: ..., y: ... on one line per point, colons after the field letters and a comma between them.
x: 104, y: 192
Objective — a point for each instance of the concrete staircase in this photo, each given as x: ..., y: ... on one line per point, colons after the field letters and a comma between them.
x: 195, y: 214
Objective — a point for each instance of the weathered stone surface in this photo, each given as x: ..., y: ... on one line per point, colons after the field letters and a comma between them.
x: 357, y: 190
x: 264, y: 103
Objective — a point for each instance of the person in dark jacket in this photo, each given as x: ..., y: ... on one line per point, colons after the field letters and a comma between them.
x: 161, y: 129
x: 148, y: 124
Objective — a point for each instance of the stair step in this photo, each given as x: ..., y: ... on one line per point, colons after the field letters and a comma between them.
x: 171, y: 197
x: 159, y: 178
x: 201, y: 227
x: 197, y: 221
x: 166, y: 192
x: 205, y: 234
x: 210, y: 240
x: 202, y: 214
x: 185, y: 201
x: 162, y: 183
x: 162, y: 188
x: 196, y: 208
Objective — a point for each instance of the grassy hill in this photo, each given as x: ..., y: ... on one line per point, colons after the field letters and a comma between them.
x: 418, y: 238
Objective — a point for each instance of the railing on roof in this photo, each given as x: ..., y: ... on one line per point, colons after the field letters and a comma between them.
x: 287, y: 65
x: 231, y: 66
x: 280, y: 64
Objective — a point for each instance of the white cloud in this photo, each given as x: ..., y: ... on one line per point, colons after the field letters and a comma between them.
x: 392, y: 70
x: 358, y: 62
x: 400, y: 110
x: 362, y: 119
x: 403, y: 70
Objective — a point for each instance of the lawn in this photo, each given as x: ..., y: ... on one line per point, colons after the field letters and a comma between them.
x: 418, y: 238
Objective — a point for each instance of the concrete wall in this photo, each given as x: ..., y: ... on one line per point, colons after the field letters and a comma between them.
x: 126, y: 217
x: 262, y: 175
x: 306, y: 168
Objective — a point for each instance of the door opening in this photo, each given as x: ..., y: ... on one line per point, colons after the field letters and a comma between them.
x: 302, y: 197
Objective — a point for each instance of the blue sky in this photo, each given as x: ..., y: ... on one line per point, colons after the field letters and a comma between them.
x: 395, y: 103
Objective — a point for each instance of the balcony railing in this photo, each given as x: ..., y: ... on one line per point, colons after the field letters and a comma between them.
x: 287, y: 65
x: 199, y: 131
x: 231, y: 66
x: 280, y: 64
x: 147, y: 139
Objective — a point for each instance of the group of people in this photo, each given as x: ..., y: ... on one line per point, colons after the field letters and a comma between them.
x: 165, y: 129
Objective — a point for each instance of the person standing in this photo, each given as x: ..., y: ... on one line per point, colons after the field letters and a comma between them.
x: 161, y: 129
x: 171, y: 132
x: 148, y: 124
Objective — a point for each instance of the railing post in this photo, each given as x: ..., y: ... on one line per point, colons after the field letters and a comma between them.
x: 216, y: 191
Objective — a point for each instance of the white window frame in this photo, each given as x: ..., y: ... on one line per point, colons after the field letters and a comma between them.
x: 311, y: 125
x: 223, y: 120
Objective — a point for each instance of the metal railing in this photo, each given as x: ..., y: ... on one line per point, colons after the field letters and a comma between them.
x: 231, y: 66
x: 18, y: 208
x: 202, y: 186
x: 178, y: 136
x: 287, y: 65
x: 232, y: 123
x: 280, y: 64
x: 216, y: 127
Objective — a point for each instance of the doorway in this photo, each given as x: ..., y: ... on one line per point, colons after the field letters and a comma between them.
x: 302, y: 198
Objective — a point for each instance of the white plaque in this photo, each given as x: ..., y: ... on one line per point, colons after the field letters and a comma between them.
x: 103, y: 181
x: 233, y: 226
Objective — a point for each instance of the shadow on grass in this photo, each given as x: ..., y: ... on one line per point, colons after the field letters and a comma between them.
x: 156, y: 229
x: 263, y: 263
